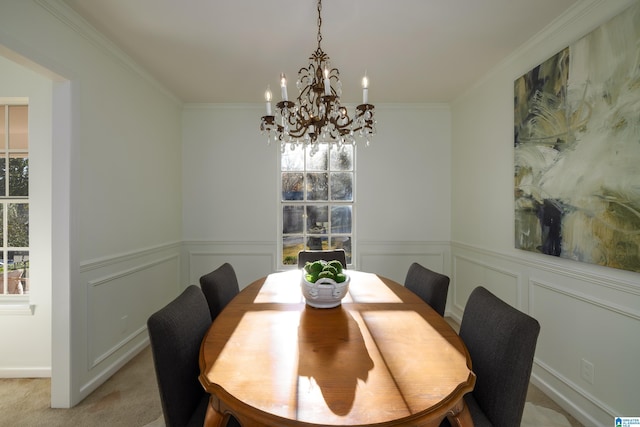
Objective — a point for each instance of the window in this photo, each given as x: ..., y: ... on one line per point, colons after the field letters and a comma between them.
x: 317, y: 200
x: 14, y: 199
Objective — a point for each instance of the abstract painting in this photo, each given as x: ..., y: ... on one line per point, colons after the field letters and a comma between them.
x: 577, y: 149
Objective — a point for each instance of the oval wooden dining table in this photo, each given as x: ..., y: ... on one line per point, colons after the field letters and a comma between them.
x: 381, y: 358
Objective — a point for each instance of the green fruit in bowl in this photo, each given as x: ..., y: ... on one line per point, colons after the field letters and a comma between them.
x: 314, y: 267
x: 340, y: 277
x: 326, y: 275
x: 337, y: 265
x: 331, y: 269
x: 324, y: 270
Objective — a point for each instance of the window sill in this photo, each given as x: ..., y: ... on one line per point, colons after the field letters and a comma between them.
x: 16, y: 306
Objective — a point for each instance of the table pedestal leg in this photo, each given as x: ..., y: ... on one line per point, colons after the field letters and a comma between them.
x: 212, y: 418
x: 459, y: 416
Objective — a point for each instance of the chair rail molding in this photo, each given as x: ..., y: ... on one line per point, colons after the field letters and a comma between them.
x: 251, y: 259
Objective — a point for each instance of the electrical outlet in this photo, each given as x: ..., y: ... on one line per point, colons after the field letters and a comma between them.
x: 587, y: 371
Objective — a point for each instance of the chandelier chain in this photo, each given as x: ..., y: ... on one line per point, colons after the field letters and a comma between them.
x: 319, y: 22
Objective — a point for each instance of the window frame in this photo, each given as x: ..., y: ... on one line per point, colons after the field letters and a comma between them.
x: 6, y: 153
x: 329, y: 203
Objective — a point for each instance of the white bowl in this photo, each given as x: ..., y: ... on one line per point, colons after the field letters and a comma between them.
x: 325, y: 293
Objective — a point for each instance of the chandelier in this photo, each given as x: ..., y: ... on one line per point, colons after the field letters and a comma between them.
x: 316, y: 116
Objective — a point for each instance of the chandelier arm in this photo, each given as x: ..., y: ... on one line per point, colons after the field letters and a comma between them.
x: 301, y: 123
x: 344, y: 128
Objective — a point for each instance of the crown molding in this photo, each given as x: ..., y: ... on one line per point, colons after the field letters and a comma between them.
x: 576, y: 22
x: 61, y: 11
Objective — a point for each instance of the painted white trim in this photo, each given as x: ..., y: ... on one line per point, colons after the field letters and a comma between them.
x: 89, y: 387
x: 17, y: 100
x: 227, y: 243
x: 580, y: 296
x: 550, y: 36
x: 572, y: 269
x: 559, y: 396
x: 17, y: 372
x: 64, y: 241
x: 403, y: 244
x: 106, y: 261
x: 119, y: 345
x: 16, y: 308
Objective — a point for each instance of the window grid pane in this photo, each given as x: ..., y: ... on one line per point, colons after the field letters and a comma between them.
x: 18, y: 127
x: 3, y: 127
x: 316, y: 201
x: 18, y: 175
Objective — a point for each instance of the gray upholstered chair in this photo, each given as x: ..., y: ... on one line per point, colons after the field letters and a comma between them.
x: 432, y: 287
x: 329, y: 255
x: 502, y: 342
x: 175, y: 332
x: 219, y: 287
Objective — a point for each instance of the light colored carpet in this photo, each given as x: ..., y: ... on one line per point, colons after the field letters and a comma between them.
x: 157, y: 423
x: 128, y: 399
x: 539, y: 416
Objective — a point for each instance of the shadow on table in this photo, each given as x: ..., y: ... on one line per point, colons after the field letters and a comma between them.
x: 332, y: 351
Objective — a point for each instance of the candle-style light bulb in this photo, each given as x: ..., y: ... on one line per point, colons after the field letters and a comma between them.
x: 283, y: 86
x: 267, y: 97
x: 327, y: 84
x: 365, y: 89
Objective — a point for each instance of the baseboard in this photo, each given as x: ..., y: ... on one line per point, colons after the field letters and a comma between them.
x: 42, y: 372
x: 584, y: 408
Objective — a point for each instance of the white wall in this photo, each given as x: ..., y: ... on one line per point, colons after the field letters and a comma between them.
x: 133, y: 187
x: 404, y: 191
x: 26, y: 337
x: 586, y: 312
x: 122, y: 172
x: 231, y: 182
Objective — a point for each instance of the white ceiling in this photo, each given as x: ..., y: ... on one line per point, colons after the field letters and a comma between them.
x: 222, y: 51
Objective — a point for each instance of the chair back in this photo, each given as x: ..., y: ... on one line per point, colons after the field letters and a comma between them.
x: 432, y: 287
x: 501, y: 341
x: 219, y: 287
x: 176, y: 332
x: 330, y: 255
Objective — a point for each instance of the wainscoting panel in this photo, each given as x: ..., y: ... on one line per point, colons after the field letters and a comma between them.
x: 393, y: 259
x: 121, y: 292
x: 589, y: 344
x: 115, y: 321
x: 578, y: 329
x: 465, y: 276
x: 471, y: 273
